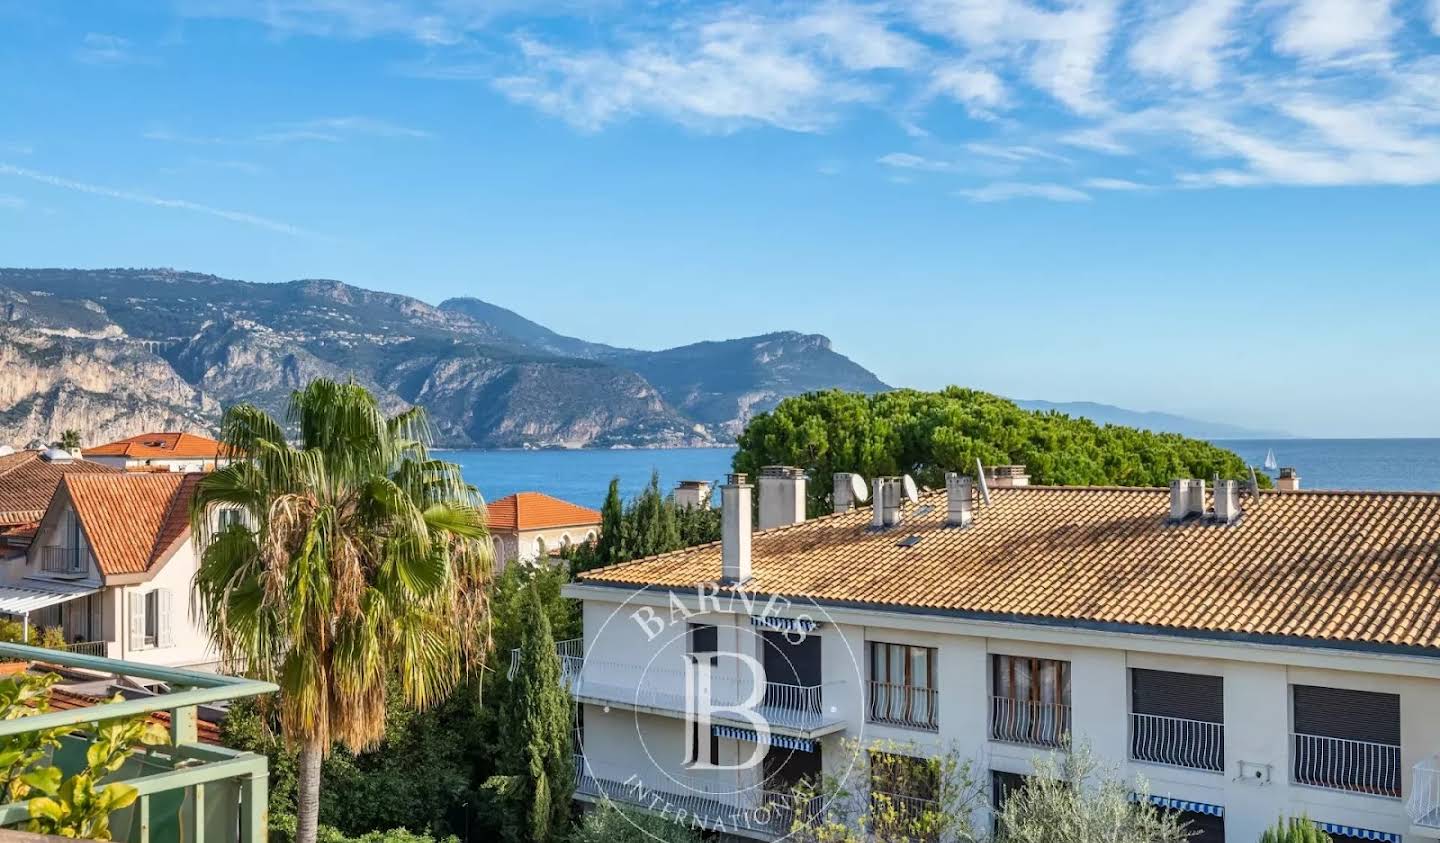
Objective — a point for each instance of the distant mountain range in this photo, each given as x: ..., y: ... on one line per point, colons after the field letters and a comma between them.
x: 1147, y: 420
x: 118, y: 351
x: 115, y: 352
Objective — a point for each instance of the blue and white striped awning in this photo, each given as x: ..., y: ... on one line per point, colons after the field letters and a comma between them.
x: 790, y: 624
x: 769, y: 739
x: 1362, y: 833
x: 1183, y: 805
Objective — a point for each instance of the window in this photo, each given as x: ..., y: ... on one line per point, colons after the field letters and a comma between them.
x: 150, y: 619
x: 1030, y: 700
x: 903, y: 790
x: 902, y: 684
x: 1203, y: 828
x: 1346, y: 740
x: 1177, y: 719
x: 1002, y: 784
x: 540, y: 547
x: 231, y: 517
x: 702, y: 638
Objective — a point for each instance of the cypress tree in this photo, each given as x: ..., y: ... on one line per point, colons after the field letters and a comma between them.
x: 1295, y: 830
x: 537, y: 726
x: 610, y: 547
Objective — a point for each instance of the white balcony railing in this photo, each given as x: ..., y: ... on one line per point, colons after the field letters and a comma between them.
x: 785, y: 705
x: 1034, y: 723
x: 58, y: 559
x: 1178, y: 742
x: 902, y: 705
x: 1339, y: 764
x: 572, y: 657
x: 89, y: 648
x: 709, y: 801
x: 1424, y: 803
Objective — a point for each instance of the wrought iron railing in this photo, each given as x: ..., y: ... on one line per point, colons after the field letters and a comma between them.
x: 1340, y: 764
x: 58, y: 559
x: 709, y: 802
x: 902, y: 705
x: 1197, y: 744
x: 1027, y: 722
x: 572, y: 657
x: 1423, y: 805
x: 89, y: 648
x: 188, y: 791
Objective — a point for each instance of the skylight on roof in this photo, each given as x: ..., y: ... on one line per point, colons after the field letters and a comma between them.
x: 908, y: 541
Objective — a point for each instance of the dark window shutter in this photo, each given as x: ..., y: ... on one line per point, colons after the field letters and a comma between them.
x: 1350, y: 715
x: 704, y: 638
x: 1191, y: 696
x: 1203, y: 828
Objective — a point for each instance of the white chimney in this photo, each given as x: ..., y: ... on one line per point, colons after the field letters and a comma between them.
x: 1227, y: 501
x: 959, y: 500
x: 735, y: 530
x: 885, y: 502
x: 692, y: 494
x: 1003, y: 476
x: 1288, y: 481
x: 849, y: 491
x: 782, y: 496
x: 1187, y: 499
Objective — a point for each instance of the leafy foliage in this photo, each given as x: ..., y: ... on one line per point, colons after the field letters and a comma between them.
x: 925, y: 434
x: 607, y: 823
x: 651, y: 523
x: 282, y: 830
x: 69, y: 440
x: 68, y: 806
x: 537, y: 731
x: 359, y: 560
x: 1294, y: 830
x: 1071, y: 798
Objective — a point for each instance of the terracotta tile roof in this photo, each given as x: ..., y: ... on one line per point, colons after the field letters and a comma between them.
x: 64, y: 700
x: 27, y: 482
x: 132, y: 520
x: 1327, y: 567
x: 159, y: 446
x: 537, y: 511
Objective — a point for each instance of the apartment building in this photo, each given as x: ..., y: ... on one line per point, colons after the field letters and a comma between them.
x: 1249, y: 655
x: 533, y: 526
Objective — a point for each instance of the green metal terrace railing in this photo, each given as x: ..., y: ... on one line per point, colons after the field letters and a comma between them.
x: 189, y: 792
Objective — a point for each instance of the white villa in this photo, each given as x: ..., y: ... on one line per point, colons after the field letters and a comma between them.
x: 111, y: 564
x: 1251, y: 656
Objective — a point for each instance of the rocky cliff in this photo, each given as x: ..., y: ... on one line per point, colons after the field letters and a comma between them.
x: 116, y: 352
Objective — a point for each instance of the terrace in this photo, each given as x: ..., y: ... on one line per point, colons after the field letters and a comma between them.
x: 188, y: 791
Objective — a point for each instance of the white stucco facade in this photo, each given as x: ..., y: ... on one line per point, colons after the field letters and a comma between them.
x: 1255, y: 786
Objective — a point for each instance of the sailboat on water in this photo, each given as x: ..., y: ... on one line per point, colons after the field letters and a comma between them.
x: 1270, y: 462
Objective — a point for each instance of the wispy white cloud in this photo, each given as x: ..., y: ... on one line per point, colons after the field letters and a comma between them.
x: 1004, y: 191
x: 1187, y: 44
x: 13, y: 203
x: 1105, y: 183
x: 153, y: 201
x: 1322, y: 29
x: 320, y: 130
x: 100, y: 48
x: 1194, y: 92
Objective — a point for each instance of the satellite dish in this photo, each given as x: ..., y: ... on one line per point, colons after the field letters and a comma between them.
x: 858, y: 490
x: 912, y: 494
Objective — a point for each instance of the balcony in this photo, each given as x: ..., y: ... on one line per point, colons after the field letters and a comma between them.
x: 56, y: 559
x: 1176, y: 742
x: 1363, y: 767
x: 713, y: 803
x: 188, y: 791
x: 1031, y: 723
x: 1424, y: 804
x: 902, y: 705
x: 572, y: 658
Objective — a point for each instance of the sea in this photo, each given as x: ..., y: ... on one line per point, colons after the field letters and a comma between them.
x: 582, y: 476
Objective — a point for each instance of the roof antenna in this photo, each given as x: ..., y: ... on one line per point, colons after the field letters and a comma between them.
x: 980, y: 475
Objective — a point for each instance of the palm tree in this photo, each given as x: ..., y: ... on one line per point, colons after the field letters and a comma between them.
x: 70, y: 440
x: 358, y: 558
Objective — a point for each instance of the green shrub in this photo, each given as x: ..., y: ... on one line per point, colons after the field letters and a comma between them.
x: 282, y: 830
x: 607, y: 823
x: 1294, y: 830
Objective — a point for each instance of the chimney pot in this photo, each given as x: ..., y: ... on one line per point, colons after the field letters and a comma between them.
x: 1289, y: 480
x: 959, y: 500
x: 843, y: 491
x: 1187, y: 499
x: 1002, y: 476
x: 782, y: 496
x: 1227, y: 501
x: 692, y: 494
x: 886, y: 502
x: 735, y: 530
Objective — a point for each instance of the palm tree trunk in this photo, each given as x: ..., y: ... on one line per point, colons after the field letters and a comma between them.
x: 308, y: 809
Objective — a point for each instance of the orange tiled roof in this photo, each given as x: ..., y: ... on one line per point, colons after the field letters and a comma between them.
x: 62, y: 699
x: 27, y: 482
x: 537, y: 511
x: 1323, y: 567
x: 159, y: 446
x: 132, y: 520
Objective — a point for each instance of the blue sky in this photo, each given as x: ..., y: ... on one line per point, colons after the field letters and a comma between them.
x: 1225, y: 208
